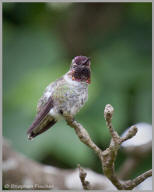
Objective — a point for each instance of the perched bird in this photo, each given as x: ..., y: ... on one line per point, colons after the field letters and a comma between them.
x: 63, y: 97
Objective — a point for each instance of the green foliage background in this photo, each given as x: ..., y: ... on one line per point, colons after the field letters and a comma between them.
x: 39, y: 41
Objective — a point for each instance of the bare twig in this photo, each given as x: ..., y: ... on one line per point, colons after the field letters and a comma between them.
x: 134, y: 182
x: 83, y: 174
x: 108, y: 112
x: 131, y: 133
x: 82, y: 134
x: 108, y: 156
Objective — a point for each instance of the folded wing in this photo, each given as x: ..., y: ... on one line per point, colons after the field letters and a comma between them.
x: 42, y: 121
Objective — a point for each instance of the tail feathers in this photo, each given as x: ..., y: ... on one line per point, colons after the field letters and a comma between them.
x: 33, y: 132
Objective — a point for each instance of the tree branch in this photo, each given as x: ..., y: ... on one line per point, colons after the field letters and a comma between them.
x: 37, y: 176
x: 82, y: 134
x: 134, y: 182
x: 131, y: 133
x: 82, y: 175
x: 108, y: 156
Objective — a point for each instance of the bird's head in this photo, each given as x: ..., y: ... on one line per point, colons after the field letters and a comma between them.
x: 80, y: 69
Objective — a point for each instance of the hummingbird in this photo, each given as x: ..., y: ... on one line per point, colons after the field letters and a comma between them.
x: 63, y: 97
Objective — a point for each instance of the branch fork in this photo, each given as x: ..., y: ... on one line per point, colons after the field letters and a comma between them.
x: 108, y: 156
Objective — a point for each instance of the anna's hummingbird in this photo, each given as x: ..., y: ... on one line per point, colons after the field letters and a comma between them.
x: 63, y: 97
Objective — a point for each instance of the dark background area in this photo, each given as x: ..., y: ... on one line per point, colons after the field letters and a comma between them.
x: 39, y: 42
